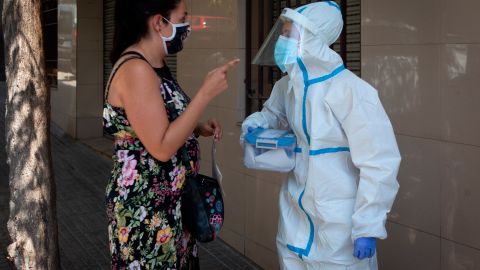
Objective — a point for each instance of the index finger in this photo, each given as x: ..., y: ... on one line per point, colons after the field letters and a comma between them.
x: 230, y: 65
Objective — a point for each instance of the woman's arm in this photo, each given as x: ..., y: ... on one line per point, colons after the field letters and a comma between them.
x: 138, y: 87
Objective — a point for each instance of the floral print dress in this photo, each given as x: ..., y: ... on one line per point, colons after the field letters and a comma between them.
x: 143, y: 194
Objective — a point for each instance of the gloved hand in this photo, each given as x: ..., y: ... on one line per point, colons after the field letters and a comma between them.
x: 245, y: 132
x: 364, y: 247
x: 252, y: 122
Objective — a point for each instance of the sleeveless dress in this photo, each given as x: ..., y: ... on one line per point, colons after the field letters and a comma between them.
x: 143, y: 194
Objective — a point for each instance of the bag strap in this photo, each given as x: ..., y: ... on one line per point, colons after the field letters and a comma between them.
x: 216, y: 173
x: 125, y: 57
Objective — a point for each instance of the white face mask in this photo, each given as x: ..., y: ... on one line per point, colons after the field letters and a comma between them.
x: 174, y: 43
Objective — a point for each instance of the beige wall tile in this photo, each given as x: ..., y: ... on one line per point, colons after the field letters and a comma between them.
x: 192, y: 66
x: 409, y: 249
x: 460, y: 80
x: 204, y: 20
x: 420, y: 185
x: 90, y: 36
x: 89, y: 127
x: 447, y: 99
x: 234, y: 97
x: 217, y: 24
x: 271, y: 177
x: 235, y: 203
x: 90, y: 68
x: 90, y: 9
x: 235, y: 240
x: 65, y: 121
x: 231, y: 32
x: 262, y: 212
x: 206, y: 167
x: 89, y: 100
x: 63, y: 102
x: 458, y: 257
x: 401, y: 22
x: 205, y: 153
x: 460, y: 200
x: 262, y: 256
x: 89, y: 111
x: 407, y: 80
x: 460, y: 21
x: 72, y: 126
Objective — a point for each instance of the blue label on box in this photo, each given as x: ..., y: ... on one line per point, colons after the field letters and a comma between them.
x: 271, y: 138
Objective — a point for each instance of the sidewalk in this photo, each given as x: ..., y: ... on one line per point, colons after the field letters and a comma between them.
x: 81, y: 173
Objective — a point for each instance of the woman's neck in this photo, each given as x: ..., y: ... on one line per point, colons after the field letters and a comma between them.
x: 151, y: 51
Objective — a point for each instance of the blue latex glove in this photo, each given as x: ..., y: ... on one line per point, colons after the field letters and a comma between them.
x: 364, y: 247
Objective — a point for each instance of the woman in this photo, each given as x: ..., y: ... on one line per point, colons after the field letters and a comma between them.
x: 153, y: 121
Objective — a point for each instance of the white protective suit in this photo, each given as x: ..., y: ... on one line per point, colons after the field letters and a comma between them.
x: 344, y: 182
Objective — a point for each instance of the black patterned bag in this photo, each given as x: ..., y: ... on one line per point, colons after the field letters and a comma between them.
x: 202, y: 203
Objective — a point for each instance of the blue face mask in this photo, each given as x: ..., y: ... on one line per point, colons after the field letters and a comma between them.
x: 286, y: 51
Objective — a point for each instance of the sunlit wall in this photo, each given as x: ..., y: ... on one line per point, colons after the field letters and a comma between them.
x: 424, y: 57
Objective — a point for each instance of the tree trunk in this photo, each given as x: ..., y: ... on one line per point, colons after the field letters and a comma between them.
x: 33, y: 222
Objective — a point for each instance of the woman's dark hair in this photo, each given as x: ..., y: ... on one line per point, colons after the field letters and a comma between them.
x: 131, y: 21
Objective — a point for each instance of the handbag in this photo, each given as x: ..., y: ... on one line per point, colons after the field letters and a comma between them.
x: 202, y: 202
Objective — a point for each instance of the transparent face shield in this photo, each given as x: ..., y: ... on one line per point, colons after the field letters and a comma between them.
x: 282, y: 45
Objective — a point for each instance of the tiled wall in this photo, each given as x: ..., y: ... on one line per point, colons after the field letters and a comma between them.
x: 89, y: 69
x: 77, y: 103
x: 251, y: 197
x: 424, y: 57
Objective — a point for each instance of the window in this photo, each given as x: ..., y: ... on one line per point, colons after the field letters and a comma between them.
x: 50, y: 36
x: 262, y: 14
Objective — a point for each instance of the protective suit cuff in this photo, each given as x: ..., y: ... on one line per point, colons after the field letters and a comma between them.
x: 379, y: 234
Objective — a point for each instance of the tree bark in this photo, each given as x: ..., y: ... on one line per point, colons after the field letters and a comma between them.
x: 33, y: 223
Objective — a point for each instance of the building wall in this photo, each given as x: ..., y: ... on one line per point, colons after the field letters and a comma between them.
x: 251, y: 197
x: 78, y: 100
x: 90, y: 69
x: 63, y: 99
x: 425, y: 60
